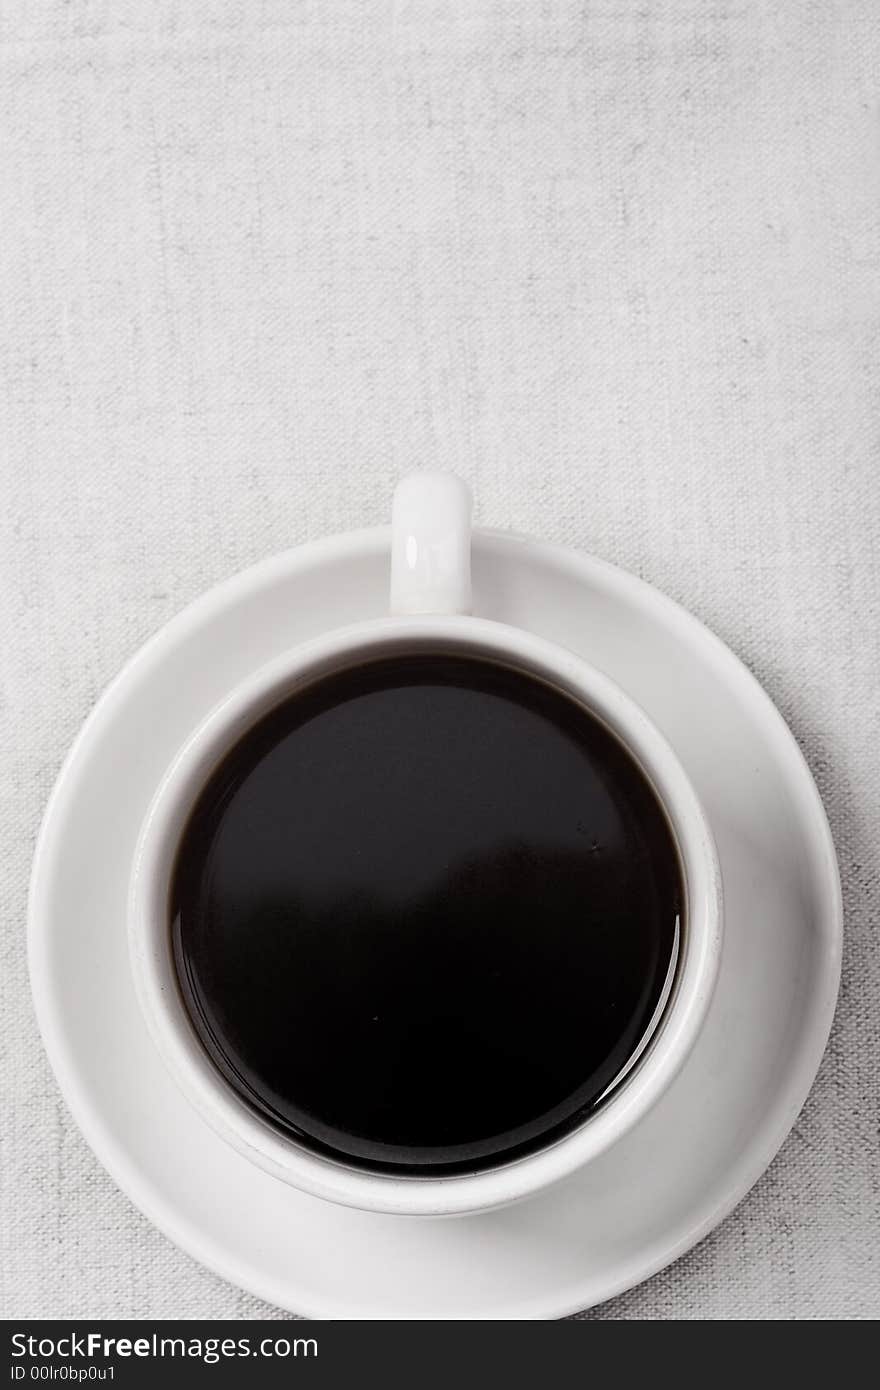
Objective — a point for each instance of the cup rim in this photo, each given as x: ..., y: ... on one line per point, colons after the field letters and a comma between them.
x: 155, y: 978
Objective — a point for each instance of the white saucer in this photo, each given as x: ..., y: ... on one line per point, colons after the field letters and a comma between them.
x: 654, y: 1194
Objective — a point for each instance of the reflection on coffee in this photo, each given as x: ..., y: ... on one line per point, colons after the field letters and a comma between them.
x: 424, y: 914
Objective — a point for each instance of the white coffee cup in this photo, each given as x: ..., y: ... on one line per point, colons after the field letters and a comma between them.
x: 430, y: 603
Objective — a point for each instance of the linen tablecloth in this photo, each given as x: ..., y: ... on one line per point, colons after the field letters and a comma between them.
x: 617, y: 264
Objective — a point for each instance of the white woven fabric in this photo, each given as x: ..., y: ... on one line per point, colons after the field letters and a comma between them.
x: 618, y: 264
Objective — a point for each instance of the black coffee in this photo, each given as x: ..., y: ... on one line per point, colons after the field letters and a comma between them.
x: 423, y: 914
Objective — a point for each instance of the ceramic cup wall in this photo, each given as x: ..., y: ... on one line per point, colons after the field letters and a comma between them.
x: 430, y: 602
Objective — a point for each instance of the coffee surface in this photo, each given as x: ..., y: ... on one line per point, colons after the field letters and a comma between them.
x: 423, y: 913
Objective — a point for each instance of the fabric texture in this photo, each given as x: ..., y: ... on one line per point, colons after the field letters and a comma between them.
x: 617, y: 264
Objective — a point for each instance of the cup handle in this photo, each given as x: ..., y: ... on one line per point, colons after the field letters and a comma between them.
x: 431, y: 545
